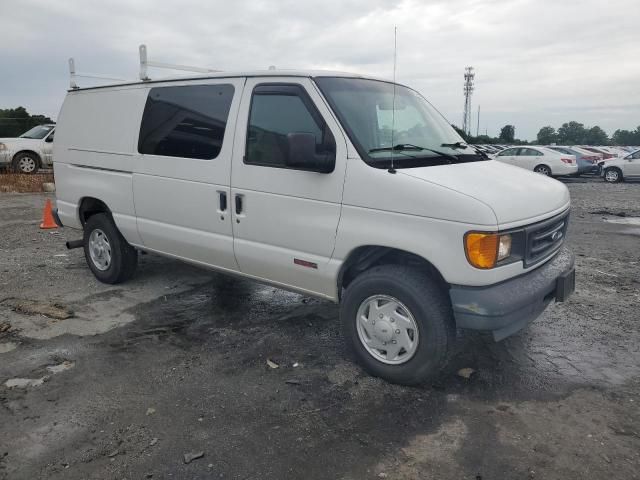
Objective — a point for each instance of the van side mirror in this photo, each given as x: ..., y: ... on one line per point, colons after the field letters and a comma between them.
x: 302, y: 154
x: 49, y: 139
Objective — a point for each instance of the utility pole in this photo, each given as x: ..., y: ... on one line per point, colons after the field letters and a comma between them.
x: 468, y: 90
x: 478, y: 126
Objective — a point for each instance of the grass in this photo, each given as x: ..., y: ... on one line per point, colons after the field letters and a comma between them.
x: 21, y: 183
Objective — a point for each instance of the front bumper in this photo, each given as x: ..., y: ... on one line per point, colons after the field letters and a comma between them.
x: 509, y: 306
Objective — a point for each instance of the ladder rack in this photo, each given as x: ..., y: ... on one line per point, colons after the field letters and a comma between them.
x: 75, y: 75
x: 145, y: 63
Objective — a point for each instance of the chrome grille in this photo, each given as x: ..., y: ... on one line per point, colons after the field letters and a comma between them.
x: 545, y: 238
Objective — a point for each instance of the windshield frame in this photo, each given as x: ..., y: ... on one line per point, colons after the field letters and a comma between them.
x: 401, y: 159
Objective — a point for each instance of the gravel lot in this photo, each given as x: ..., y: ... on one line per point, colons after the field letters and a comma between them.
x: 130, y: 378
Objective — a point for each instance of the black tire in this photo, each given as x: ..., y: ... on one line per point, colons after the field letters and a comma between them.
x: 430, y: 307
x: 543, y: 170
x: 612, y: 175
x: 26, y: 162
x: 124, y: 258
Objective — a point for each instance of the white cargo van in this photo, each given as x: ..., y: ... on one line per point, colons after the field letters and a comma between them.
x: 343, y: 187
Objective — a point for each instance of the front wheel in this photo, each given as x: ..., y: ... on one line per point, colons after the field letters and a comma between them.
x: 543, y: 169
x: 398, y: 323
x: 612, y: 175
x: 109, y: 256
x: 26, y: 162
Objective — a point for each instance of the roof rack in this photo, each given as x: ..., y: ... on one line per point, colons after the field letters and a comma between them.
x: 75, y: 75
x: 145, y: 63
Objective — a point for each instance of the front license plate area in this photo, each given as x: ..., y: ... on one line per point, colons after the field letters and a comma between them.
x: 565, y: 285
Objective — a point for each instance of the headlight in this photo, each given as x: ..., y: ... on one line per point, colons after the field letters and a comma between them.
x: 2, y: 147
x: 485, y: 250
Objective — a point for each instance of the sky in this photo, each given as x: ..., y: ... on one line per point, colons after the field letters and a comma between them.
x: 537, y: 62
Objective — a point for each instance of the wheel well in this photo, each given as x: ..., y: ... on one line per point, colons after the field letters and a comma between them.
x: 90, y: 206
x: 28, y: 151
x: 363, y: 258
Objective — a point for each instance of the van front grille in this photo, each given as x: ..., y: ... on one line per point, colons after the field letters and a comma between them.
x: 545, y: 238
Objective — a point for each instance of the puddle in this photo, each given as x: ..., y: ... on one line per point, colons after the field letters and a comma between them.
x: 634, y: 221
x: 7, y: 347
x: 36, y: 382
x: 24, y: 382
x: 66, y: 365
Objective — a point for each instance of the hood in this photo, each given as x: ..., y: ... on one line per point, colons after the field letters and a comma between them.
x: 514, y: 194
x: 19, y: 141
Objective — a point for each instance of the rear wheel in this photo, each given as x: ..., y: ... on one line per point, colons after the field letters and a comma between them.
x: 612, y: 175
x: 543, y: 169
x: 398, y: 324
x: 109, y: 256
x: 26, y: 162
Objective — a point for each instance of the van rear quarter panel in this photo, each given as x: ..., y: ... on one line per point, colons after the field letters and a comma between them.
x: 94, y: 153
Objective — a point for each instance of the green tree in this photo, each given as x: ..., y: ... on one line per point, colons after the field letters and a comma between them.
x: 626, y: 137
x: 462, y: 133
x: 596, y: 136
x: 572, y: 133
x: 547, y: 135
x: 16, y: 121
x: 507, y: 134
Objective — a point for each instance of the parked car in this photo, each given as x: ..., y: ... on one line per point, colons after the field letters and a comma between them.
x: 540, y: 160
x: 289, y: 178
x: 619, y: 169
x: 605, y: 153
x: 30, y: 151
x: 587, y: 161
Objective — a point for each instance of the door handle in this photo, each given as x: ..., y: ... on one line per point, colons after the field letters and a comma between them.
x: 239, y: 204
x: 223, y: 201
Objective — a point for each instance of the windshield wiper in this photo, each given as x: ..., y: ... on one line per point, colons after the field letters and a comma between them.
x: 455, y: 145
x: 408, y: 146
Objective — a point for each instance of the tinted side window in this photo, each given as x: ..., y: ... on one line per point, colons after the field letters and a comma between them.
x: 186, y: 121
x: 508, y: 152
x: 276, y: 111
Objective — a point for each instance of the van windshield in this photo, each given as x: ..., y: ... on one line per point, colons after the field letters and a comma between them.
x: 407, y: 128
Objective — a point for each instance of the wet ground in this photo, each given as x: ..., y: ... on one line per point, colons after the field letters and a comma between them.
x: 122, y: 381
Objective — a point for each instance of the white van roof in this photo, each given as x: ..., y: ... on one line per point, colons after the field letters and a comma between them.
x: 250, y: 73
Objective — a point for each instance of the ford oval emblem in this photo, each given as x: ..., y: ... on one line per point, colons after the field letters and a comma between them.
x: 556, y: 236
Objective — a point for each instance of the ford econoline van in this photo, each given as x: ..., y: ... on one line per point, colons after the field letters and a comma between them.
x: 347, y: 188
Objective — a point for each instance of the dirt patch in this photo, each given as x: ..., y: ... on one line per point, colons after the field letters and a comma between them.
x: 21, y: 183
x: 31, y: 307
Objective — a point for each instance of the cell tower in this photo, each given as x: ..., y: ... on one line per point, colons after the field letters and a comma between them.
x: 468, y: 90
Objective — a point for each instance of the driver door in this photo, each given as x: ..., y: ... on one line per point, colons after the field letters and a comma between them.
x: 632, y: 168
x: 285, y: 219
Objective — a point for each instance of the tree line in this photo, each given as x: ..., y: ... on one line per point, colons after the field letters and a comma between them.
x: 16, y: 121
x: 570, y: 133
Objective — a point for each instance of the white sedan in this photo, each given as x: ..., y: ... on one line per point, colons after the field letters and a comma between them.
x: 30, y: 151
x: 618, y: 169
x: 539, y: 159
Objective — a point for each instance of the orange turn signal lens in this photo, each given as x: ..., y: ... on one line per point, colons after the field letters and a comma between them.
x: 482, y: 249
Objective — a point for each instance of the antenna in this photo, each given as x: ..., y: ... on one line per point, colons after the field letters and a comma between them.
x: 469, y: 76
x: 393, y: 103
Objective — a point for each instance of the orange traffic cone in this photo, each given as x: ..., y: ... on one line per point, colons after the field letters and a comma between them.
x: 47, y: 217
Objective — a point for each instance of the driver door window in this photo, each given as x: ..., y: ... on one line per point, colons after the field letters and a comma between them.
x: 276, y: 112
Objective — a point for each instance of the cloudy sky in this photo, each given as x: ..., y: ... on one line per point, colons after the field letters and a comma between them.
x: 538, y: 62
